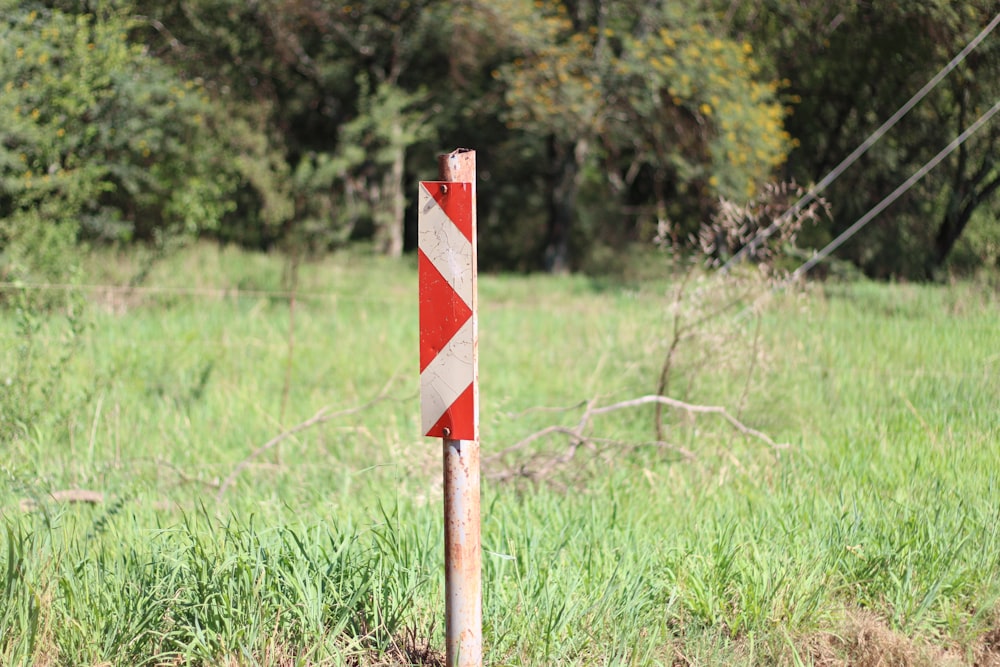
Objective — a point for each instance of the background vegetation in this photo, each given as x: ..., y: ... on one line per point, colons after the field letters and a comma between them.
x: 301, y: 125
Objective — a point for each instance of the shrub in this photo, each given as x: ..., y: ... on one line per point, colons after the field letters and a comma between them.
x: 100, y: 140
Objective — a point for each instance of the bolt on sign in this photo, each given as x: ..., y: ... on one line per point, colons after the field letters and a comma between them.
x: 449, y: 396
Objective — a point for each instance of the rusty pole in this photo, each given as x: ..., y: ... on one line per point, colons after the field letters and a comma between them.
x: 462, y: 557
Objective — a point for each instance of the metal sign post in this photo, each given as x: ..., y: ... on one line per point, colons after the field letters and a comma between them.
x: 449, y: 387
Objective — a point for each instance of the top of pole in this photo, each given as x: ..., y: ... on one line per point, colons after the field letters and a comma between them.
x: 458, y: 166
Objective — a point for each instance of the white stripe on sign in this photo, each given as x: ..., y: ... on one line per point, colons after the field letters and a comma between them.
x: 446, y: 247
x: 447, y: 376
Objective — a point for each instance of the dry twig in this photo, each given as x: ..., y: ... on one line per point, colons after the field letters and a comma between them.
x: 543, y: 408
x: 579, y: 438
x: 682, y: 331
x: 693, y: 408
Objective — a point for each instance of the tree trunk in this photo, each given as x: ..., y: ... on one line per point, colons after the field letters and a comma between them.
x: 391, y: 209
x: 963, y: 203
x: 564, y: 186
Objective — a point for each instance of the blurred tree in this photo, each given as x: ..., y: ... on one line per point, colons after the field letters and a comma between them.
x: 329, y: 83
x: 98, y: 140
x: 674, y: 113
x: 306, y: 122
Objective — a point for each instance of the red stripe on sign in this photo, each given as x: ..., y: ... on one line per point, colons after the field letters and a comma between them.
x: 457, y: 203
x: 459, y: 419
x: 442, y: 312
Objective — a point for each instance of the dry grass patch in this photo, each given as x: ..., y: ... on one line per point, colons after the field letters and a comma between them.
x: 867, y: 641
x: 988, y: 650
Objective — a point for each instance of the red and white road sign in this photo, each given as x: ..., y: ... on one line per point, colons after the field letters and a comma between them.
x: 449, y: 393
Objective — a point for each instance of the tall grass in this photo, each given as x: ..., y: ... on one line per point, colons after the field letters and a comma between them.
x: 881, y: 518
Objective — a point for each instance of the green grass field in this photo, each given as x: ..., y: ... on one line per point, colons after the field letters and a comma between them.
x: 873, y: 538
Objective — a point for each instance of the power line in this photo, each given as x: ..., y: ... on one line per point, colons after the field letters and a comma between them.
x: 860, y: 150
x: 896, y: 194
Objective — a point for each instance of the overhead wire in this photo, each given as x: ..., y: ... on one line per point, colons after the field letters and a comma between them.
x: 875, y: 210
x: 835, y: 173
x: 895, y: 194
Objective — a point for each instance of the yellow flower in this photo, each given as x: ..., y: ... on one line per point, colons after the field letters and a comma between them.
x: 19, y: 53
x: 705, y: 109
x: 60, y: 132
x: 42, y: 59
x: 35, y: 113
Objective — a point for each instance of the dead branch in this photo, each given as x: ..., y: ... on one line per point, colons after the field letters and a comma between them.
x: 542, y: 408
x: 578, y: 436
x: 678, y: 336
x: 692, y: 408
x: 685, y: 330
x: 321, y: 416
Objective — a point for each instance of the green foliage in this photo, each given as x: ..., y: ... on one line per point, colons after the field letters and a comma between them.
x: 295, y: 124
x: 35, y: 389
x: 371, y: 149
x: 328, y: 93
x: 697, y: 101
x: 554, y: 85
x: 674, y: 113
x: 979, y: 247
x: 100, y: 140
x: 677, y: 98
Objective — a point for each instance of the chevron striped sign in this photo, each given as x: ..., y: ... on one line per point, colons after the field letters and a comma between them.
x: 449, y: 393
